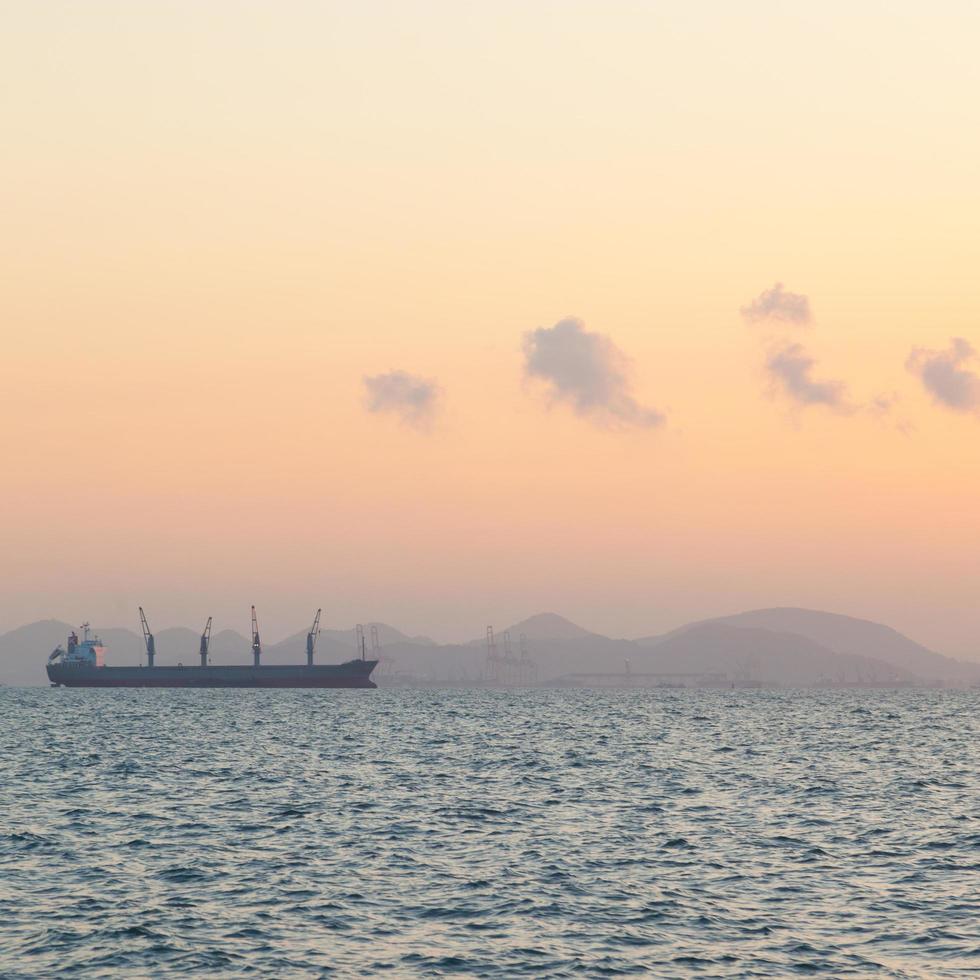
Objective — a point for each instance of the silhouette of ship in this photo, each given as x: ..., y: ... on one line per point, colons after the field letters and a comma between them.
x: 81, y: 663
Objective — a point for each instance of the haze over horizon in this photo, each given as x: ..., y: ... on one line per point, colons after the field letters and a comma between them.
x: 440, y: 314
x: 555, y: 630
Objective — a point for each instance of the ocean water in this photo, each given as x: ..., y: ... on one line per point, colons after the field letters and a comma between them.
x: 489, y: 834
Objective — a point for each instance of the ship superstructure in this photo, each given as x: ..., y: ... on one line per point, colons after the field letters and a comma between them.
x: 87, y: 652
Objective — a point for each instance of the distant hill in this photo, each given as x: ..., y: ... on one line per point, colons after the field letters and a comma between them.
x: 845, y: 635
x: 24, y: 650
x: 550, y: 626
x: 787, y: 659
x: 229, y: 644
x: 543, y: 626
x: 386, y: 635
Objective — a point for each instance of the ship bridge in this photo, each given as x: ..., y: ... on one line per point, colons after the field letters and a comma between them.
x: 87, y: 652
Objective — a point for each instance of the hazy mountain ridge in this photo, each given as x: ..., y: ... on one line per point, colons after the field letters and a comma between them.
x: 844, y: 635
x: 743, y: 652
x: 551, y: 626
x: 783, y: 646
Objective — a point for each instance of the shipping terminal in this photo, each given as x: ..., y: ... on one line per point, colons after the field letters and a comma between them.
x: 81, y: 663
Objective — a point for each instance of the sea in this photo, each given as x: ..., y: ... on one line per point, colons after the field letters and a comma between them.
x: 478, y: 833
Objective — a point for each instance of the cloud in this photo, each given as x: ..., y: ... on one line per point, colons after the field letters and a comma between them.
x: 778, y: 304
x: 587, y: 371
x: 883, y: 404
x: 945, y: 377
x: 413, y: 399
x: 790, y: 367
x: 885, y: 408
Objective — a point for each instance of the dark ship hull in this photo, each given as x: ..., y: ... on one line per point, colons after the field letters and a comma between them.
x: 354, y: 673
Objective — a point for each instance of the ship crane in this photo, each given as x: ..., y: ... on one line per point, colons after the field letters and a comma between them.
x: 148, y: 640
x: 256, y: 642
x: 311, y: 639
x: 205, y: 643
x: 359, y: 641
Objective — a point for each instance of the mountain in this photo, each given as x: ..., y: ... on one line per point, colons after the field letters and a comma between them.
x: 847, y: 635
x: 24, y: 650
x: 788, y: 659
x: 229, y: 644
x: 542, y: 626
x: 386, y: 635
x: 550, y: 626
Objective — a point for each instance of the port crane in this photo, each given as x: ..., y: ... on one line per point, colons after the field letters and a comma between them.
x: 311, y: 639
x: 148, y: 640
x: 256, y: 642
x: 205, y: 643
x: 494, y: 660
x: 528, y: 668
x: 511, y: 665
x: 385, y: 664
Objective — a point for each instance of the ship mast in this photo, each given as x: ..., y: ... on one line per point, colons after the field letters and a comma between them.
x: 147, y: 639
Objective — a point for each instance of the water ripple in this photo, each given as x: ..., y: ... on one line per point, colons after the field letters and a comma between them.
x: 489, y: 834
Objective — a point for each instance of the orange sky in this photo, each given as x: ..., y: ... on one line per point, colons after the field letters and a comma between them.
x: 219, y: 219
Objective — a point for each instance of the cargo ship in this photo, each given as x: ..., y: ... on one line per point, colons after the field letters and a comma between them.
x: 81, y: 663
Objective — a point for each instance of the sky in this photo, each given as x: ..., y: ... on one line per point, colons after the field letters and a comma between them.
x: 444, y: 314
